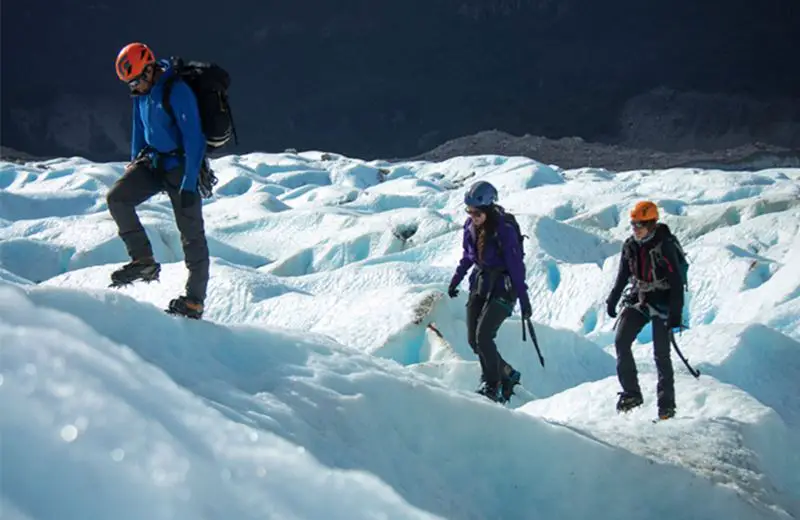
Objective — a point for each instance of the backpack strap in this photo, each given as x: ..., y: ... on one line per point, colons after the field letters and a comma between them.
x: 167, y: 104
x: 680, y: 256
x: 165, y: 100
x: 503, y: 220
x: 657, y: 258
x: 510, y: 220
x: 499, y: 243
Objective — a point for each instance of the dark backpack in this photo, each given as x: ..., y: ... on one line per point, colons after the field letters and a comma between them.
x: 658, y: 256
x: 511, y: 219
x: 210, y: 83
x: 683, y: 262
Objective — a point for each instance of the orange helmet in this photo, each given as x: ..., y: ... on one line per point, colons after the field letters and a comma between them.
x: 644, y: 211
x: 132, y: 60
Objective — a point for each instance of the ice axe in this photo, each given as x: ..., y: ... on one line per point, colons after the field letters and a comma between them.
x: 694, y: 372
x: 533, y: 338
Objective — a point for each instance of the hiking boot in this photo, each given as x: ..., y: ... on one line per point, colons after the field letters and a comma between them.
x: 491, y: 391
x: 628, y: 402
x: 145, y: 270
x: 186, y: 306
x: 666, y: 412
x: 510, y: 380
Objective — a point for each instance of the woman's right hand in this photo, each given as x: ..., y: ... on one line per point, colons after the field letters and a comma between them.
x: 452, y: 291
x: 525, y: 308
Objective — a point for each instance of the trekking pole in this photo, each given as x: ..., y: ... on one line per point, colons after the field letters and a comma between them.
x: 533, y: 338
x: 695, y: 373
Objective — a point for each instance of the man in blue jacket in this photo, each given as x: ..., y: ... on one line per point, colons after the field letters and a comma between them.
x: 165, y: 156
x: 491, y: 244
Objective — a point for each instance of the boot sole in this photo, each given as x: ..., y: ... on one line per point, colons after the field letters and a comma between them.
x: 629, y: 408
x: 188, y: 316
x: 153, y: 277
x: 176, y: 311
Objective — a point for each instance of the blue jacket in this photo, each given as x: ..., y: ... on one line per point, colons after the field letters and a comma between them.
x: 153, y: 126
x: 510, y: 259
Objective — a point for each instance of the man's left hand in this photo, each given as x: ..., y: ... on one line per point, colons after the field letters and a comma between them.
x: 674, y: 321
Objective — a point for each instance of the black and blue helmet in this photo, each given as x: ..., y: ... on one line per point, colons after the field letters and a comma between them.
x: 480, y: 194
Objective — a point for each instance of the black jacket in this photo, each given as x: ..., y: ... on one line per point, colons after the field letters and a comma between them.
x: 661, y: 287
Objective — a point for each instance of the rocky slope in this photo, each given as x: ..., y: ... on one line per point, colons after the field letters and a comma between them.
x: 574, y: 152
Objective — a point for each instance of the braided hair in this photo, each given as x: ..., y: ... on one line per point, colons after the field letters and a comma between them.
x: 487, y: 230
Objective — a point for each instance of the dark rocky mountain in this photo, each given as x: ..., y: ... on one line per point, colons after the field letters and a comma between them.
x: 399, y: 77
x: 574, y: 152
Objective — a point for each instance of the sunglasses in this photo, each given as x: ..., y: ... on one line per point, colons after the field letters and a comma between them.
x: 474, y: 212
x: 639, y: 225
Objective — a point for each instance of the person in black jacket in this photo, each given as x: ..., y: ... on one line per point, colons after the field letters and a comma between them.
x: 650, y: 262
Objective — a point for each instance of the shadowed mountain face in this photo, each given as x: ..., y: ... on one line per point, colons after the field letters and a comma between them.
x: 402, y: 76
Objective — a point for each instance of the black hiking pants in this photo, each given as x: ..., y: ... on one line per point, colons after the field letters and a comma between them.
x: 139, y: 184
x: 631, y: 322
x: 484, y: 317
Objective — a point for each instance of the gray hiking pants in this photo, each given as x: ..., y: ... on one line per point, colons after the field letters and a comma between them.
x: 139, y: 184
x: 485, y: 314
x: 631, y: 323
x: 484, y: 318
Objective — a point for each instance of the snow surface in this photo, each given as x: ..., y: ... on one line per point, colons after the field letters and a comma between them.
x: 331, y: 377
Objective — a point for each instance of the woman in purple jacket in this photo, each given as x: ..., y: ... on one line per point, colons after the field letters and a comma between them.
x: 493, y: 246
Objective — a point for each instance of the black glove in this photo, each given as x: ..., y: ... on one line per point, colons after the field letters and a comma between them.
x: 611, y: 308
x: 674, y: 321
x: 187, y: 199
x: 525, y: 307
x: 452, y: 291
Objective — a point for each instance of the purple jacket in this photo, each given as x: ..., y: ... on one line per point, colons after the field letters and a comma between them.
x: 511, y: 258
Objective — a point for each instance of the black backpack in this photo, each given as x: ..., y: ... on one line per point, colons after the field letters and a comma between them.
x: 657, y: 258
x: 210, y: 84
x: 511, y: 219
x: 683, y: 262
